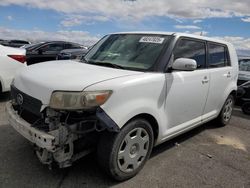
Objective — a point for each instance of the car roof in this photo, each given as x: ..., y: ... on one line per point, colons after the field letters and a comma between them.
x: 177, y: 35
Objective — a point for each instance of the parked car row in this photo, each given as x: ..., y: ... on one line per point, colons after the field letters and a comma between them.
x: 12, y: 59
x: 48, y: 51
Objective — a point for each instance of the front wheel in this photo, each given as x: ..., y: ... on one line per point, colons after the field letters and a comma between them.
x: 123, y: 154
x: 226, y: 113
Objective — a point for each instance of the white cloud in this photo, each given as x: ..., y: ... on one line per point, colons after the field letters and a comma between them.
x: 240, y: 43
x: 74, y: 20
x: 197, y: 21
x: 139, y: 9
x: 39, y: 35
x: 246, y: 19
x: 10, y: 18
x: 186, y: 27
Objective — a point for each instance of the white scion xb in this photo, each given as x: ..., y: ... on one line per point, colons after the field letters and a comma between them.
x: 132, y: 91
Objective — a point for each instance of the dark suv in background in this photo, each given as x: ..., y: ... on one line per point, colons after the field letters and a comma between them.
x: 48, y: 51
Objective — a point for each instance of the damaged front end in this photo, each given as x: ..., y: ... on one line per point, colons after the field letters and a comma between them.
x: 60, y: 136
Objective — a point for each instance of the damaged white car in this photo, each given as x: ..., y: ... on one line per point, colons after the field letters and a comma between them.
x: 132, y: 91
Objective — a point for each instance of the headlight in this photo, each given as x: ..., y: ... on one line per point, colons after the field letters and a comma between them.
x: 78, y: 100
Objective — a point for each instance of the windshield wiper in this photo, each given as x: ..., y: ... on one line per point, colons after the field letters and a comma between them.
x: 106, y: 64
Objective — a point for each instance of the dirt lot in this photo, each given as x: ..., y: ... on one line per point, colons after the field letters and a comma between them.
x: 205, y: 157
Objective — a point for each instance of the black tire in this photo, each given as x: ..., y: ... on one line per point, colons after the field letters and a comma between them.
x: 112, y: 143
x: 221, y: 120
x: 246, y: 108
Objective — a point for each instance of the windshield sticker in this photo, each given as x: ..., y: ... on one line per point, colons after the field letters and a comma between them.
x: 156, y: 40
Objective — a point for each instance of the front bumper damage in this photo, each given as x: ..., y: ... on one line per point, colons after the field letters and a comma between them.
x: 39, y: 138
x: 62, y: 143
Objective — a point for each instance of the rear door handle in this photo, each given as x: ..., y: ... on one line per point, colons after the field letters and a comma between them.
x: 228, y: 75
x: 205, y: 80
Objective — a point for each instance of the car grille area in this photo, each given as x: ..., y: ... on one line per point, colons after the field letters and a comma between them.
x: 25, y: 102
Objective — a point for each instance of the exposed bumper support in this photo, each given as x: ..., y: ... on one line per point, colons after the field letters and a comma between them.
x: 40, y: 138
x: 106, y: 120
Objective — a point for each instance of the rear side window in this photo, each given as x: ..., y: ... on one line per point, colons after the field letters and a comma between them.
x: 196, y: 50
x: 53, y: 47
x: 218, y: 56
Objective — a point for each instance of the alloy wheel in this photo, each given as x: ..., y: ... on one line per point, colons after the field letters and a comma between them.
x: 133, y: 150
x: 228, y: 109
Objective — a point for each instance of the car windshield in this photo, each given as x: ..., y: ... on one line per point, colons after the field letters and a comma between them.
x: 244, y: 65
x: 128, y: 51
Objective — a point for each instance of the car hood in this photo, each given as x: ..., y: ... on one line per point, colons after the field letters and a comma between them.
x: 40, y: 80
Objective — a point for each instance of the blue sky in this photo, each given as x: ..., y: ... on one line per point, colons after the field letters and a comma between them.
x: 86, y: 21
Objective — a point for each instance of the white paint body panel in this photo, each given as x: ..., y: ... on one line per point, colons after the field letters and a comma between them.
x: 41, y: 79
x: 179, y: 100
x: 8, y: 66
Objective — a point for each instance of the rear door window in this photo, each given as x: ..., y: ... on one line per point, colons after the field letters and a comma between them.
x: 53, y: 47
x: 218, y: 56
x: 187, y: 48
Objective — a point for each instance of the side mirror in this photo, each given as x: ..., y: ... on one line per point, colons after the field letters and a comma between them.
x: 184, y: 64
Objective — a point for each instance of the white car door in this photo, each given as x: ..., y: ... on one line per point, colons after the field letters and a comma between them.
x: 187, y: 90
x: 221, y: 76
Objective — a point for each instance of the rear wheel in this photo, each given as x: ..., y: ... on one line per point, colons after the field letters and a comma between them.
x: 246, y: 108
x: 123, y: 154
x: 226, y: 113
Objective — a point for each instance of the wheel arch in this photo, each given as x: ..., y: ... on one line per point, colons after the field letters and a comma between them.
x: 152, y: 121
x: 234, y: 94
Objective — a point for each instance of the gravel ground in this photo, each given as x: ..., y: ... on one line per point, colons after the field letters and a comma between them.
x: 204, y: 157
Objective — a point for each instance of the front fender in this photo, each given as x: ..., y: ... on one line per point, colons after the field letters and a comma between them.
x: 134, y: 95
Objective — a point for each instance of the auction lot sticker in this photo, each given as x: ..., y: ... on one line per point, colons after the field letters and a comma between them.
x: 156, y: 40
